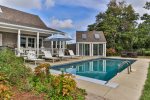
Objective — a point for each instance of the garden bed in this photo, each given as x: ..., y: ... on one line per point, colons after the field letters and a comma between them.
x: 18, y: 81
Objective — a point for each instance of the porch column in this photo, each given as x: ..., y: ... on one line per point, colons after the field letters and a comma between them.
x: 52, y: 43
x: 52, y: 47
x: 77, y: 48
x: 90, y: 49
x: 60, y: 45
x: 104, y: 50
x: 37, y: 47
x: 18, y: 44
x: 63, y: 43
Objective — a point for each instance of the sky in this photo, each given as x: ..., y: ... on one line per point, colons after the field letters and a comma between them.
x: 68, y: 15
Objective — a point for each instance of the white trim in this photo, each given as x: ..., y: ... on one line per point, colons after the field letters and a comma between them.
x: 25, y: 28
x: 91, y: 45
x: 1, y: 40
x: 37, y: 43
x: 92, y: 42
x: 1, y: 11
x: 18, y: 42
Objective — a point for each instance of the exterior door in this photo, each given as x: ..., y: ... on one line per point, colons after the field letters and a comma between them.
x: 84, y: 49
x: 0, y: 39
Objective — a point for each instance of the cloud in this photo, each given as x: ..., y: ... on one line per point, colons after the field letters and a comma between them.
x: 49, y: 3
x: 29, y: 4
x: 61, y: 24
x: 94, y: 4
x: 138, y: 6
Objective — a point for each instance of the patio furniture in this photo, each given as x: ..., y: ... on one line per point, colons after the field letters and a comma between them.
x: 60, y: 38
x: 31, y: 56
x: 61, y: 55
x: 48, y: 55
x: 128, y: 54
x: 72, y: 54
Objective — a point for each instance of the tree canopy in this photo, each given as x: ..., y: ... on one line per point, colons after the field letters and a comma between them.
x: 119, y: 24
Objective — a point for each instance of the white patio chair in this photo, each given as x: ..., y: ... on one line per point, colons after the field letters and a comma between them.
x: 48, y: 55
x: 31, y: 56
x: 72, y: 54
x: 62, y: 56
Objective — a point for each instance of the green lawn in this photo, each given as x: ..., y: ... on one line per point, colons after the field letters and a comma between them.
x: 146, y: 91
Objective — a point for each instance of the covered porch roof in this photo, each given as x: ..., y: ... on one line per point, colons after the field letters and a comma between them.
x: 15, y: 28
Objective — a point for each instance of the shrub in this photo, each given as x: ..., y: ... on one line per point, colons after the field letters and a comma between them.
x: 42, y: 69
x: 5, y: 92
x: 111, y: 52
x: 54, y: 87
x: 147, y: 53
x: 64, y: 88
x: 13, y: 67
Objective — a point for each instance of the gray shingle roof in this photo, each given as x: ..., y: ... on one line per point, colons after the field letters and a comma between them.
x: 90, y: 36
x: 17, y: 17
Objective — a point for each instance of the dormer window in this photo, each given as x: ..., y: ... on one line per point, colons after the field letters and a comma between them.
x: 97, y: 36
x: 84, y: 36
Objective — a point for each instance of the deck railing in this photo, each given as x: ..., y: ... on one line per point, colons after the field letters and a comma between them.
x: 24, y: 51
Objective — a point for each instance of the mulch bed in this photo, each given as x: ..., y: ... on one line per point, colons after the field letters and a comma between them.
x: 19, y: 95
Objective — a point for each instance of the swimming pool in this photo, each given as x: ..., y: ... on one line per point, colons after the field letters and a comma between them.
x: 102, y: 68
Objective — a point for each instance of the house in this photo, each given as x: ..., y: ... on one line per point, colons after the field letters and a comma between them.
x: 90, y: 43
x: 19, y: 30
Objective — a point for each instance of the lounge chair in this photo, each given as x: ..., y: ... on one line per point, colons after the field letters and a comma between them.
x: 62, y: 56
x: 31, y: 56
x: 72, y: 54
x: 48, y: 55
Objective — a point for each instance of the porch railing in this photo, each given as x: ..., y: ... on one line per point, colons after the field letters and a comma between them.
x: 24, y: 51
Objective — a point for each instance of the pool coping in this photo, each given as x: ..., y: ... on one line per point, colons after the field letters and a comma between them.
x: 92, y: 59
x: 101, y: 82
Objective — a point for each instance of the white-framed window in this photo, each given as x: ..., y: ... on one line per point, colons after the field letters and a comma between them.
x: 97, y: 36
x: 23, y: 42
x: 84, y: 36
x: 29, y: 41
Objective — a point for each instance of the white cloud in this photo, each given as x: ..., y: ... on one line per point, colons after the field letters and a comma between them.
x: 138, y: 5
x: 49, y: 3
x: 94, y: 4
x: 61, y: 24
x: 30, y: 4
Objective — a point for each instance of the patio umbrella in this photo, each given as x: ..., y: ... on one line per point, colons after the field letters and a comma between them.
x: 58, y: 37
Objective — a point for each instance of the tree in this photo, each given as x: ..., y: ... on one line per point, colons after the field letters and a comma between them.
x: 117, y: 21
x: 147, y: 6
x: 144, y: 29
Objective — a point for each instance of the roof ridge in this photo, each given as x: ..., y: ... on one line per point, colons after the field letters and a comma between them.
x: 17, y: 10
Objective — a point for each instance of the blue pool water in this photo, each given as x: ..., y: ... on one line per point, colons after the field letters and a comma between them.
x: 101, y: 69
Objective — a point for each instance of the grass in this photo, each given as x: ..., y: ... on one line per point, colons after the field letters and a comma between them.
x: 146, y: 90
